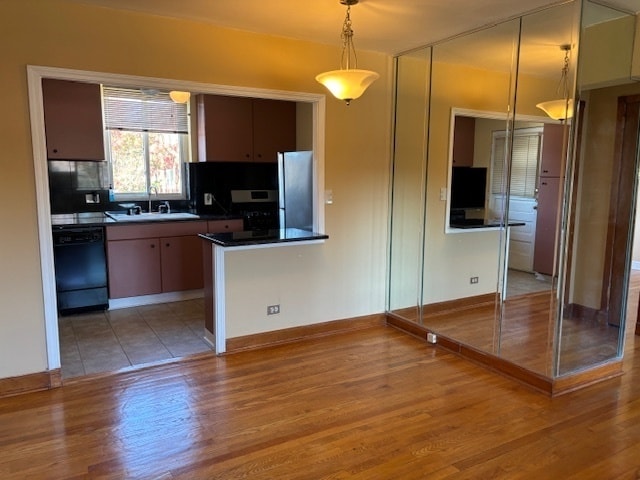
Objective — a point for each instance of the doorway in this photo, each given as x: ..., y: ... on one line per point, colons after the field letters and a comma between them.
x: 314, y: 102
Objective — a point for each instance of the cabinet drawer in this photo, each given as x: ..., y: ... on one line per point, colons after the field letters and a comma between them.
x: 219, y: 226
x: 155, y: 230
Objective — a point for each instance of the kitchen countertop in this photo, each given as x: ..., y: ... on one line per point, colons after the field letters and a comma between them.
x: 469, y: 226
x: 100, y: 219
x: 262, y: 237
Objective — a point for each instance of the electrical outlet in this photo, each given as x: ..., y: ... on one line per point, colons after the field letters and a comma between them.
x: 473, y: 280
x: 273, y: 309
x: 432, y: 338
x: 208, y: 199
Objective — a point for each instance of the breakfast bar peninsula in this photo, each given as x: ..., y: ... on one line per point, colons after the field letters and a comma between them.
x: 263, y: 261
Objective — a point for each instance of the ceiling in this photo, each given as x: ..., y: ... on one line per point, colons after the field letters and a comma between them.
x: 388, y: 26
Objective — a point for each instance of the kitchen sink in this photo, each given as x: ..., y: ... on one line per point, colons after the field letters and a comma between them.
x: 153, y: 216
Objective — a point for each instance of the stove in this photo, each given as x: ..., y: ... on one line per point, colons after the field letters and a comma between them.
x: 259, y: 208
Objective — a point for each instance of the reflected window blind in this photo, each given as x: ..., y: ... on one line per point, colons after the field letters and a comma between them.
x: 143, y: 111
x: 524, y: 164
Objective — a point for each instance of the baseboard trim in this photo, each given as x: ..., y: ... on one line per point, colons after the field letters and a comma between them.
x: 448, y: 306
x: 305, y: 332
x: 33, y: 382
x: 550, y: 386
x: 459, y: 304
x: 116, y: 303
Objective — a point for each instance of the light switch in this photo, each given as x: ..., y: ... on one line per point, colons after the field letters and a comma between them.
x: 443, y: 193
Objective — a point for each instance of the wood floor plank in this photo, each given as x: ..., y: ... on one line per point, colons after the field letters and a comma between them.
x: 369, y: 404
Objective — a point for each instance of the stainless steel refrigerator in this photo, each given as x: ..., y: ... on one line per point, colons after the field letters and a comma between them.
x: 295, y: 190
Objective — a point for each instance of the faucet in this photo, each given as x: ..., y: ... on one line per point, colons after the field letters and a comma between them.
x: 164, y: 207
x: 152, y: 188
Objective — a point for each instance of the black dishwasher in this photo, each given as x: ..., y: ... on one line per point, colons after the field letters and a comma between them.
x: 81, y: 269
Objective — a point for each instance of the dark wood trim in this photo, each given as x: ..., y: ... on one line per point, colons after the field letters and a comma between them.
x: 459, y: 304
x: 33, y: 382
x: 541, y: 383
x: 447, y: 306
x: 407, y: 326
x: 575, y: 381
x: 623, y: 188
x: 305, y: 332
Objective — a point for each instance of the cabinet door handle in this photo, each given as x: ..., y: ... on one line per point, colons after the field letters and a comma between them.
x: 153, y: 245
x: 167, y: 244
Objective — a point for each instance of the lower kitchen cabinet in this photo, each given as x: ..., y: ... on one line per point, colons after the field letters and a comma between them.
x: 152, y: 258
x: 181, y: 263
x: 134, y: 267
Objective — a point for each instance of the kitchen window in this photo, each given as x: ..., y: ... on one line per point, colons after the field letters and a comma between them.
x: 147, y: 143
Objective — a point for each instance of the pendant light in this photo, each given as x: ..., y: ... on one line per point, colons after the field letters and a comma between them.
x: 562, y: 108
x: 179, y: 97
x: 347, y: 83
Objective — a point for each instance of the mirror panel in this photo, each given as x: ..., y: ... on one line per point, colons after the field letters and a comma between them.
x: 601, y: 194
x: 469, y: 73
x: 409, y: 167
x: 535, y: 193
x: 541, y: 279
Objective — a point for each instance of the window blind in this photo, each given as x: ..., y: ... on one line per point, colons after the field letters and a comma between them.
x: 143, y: 111
x: 524, y: 164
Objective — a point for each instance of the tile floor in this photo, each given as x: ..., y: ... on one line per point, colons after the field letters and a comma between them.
x: 96, y: 342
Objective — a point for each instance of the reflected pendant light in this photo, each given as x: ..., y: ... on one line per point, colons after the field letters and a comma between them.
x: 562, y: 108
x: 179, y: 97
x: 347, y: 83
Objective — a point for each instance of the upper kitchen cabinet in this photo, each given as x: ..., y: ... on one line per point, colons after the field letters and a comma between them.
x: 73, y: 120
x: 240, y: 129
x: 274, y: 128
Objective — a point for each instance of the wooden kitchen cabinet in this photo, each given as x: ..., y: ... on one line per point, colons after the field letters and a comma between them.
x: 134, y: 267
x: 546, y: 223
x: 73, y: 120
x: 220, y: 226
x: 240, y: 129
x: 181, y: 263
x: 464, y: 141
x: 551, y: 158
x: 151, y: 258
x: 274, y: 128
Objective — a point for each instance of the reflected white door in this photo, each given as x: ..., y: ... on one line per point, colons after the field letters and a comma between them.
x: 522, y: 238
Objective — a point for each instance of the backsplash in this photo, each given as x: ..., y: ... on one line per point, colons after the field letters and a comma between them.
x: 83, y: 186
x: 71, y: 181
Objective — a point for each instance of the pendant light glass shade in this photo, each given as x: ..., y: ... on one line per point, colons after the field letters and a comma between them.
x: 179, y: 97
x: 557, y: 109
x: 347, y: 83
x: 562, y: 108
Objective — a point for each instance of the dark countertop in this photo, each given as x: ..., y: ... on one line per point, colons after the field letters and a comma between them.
x: 486, y: 225
x: 260, y: 237
x: 98, y: 219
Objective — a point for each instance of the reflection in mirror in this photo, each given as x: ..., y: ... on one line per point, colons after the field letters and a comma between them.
x: 511, y: 230
x: 470, y: 73
x: 409, y: 164
x: 535, y: 191
x: 602, y: 192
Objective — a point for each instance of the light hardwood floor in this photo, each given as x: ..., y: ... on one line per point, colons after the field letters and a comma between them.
x: 369, y: 404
